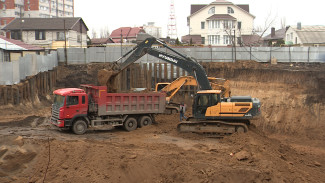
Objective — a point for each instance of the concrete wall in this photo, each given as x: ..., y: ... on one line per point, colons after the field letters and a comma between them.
x: 214, y: 54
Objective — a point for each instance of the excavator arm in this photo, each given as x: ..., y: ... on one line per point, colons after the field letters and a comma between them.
x: 188, y: 64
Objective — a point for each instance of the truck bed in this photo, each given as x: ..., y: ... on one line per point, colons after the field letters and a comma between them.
x: 125, y: 103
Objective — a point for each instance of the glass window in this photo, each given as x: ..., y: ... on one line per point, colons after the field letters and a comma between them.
x: 214, y: 24
x: 39, y: 35
x: 83, y: 99
x: 226, y: 40
x: 203, y: 100
x: 60, y: 36
x: 214, y: 39
x: 59, y: 100
x: 15, y: 35
x: 79, y: 38
x: 202, y: 25
x: 72, y: 100
x: 230, y: 10
x: 203, y: 40
x: 211, y: 10
x: 6, y: 56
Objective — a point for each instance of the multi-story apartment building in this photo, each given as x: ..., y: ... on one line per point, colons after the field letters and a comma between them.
x: 11, y: 9
x: 220, y: 22
x: 152, y: 29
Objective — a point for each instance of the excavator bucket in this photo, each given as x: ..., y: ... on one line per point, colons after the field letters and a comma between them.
x: 108, y: 78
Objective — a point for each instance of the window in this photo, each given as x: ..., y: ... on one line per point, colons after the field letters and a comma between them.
x: 230, y: 10
x: 72, y: 100
x: 214, y: 24
x: 39, y: 35
x: 239, y: 25
x: 227, y: 24
x: 291, y: 36
x: 4, y: 22
x: 60, y: 36
x: 83, y: 99
x: 43, y: 8
x: 15, y: 35
x: 202, y: 25
x: 79, y: 38
x: 214, y: 39
x: 211, y: 10
x: 226, y: 40
x: 203, y: 40
x: 6, y: 56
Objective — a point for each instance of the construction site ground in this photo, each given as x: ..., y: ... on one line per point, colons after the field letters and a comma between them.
x: 286, y: 144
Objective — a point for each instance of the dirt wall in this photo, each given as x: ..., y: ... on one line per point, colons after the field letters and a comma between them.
x: 292, y: 95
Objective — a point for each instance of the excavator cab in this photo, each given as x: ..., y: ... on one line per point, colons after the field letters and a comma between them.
x: 203, y: 100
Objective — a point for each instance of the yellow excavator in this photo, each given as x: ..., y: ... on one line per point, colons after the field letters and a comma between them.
x: 212, y: 115
x: 172, y: 88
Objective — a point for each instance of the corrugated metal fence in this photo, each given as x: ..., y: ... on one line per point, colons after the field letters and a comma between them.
x: 14, y: 72
x: 206, y: 54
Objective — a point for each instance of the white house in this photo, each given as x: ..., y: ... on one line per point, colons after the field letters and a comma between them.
x: 305, y: 35
x: 49, y: 33
x: 219, y: 21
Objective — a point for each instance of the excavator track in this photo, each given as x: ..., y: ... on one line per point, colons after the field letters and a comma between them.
x: 213, y: 128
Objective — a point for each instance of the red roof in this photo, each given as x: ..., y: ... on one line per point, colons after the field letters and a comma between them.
x: 21, y: 44
x: 127, y: 33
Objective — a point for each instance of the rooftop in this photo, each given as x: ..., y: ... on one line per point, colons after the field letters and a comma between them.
x: 12, y: 44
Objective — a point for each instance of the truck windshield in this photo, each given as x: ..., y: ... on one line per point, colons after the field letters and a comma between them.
x: 59, y: 100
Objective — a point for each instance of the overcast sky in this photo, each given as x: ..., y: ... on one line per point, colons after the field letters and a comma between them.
x: 112, y: 14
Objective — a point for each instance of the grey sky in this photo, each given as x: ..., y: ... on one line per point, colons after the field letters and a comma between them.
x: 128, y: 13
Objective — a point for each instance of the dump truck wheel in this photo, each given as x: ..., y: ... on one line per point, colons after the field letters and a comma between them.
x: 145, y: 121
x: 79, y: 127
x: 130, y: 124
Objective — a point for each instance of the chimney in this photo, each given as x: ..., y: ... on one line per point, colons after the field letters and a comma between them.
x: 287, y: 27
x: 272, y: 32
x: 299, y: 25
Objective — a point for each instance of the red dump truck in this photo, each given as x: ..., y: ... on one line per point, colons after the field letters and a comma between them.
x: 90, y: 106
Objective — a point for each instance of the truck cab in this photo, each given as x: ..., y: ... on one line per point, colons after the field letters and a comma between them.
x: 69, y: 104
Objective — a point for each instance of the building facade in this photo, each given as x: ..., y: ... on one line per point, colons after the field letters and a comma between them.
x: 11, y: 9
x: 152, y: 30
x: 305, y: 35
x: 49, y: 33
x: 220, y: 22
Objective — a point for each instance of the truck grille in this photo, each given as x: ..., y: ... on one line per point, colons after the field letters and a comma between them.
x: 55, y: 112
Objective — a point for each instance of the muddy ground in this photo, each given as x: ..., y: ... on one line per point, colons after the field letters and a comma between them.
x: 287, y: 143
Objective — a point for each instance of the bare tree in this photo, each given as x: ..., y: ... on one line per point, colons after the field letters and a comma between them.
x: 94, y: 33
x: 268, y: 23
x: 104, y: 32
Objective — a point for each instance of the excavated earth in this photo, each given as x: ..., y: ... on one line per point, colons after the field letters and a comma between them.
x: 286, y: 144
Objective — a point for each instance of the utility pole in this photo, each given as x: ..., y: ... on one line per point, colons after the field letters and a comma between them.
x: 121, y: 44
x: 235, y: 43
x: 65, y: 44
